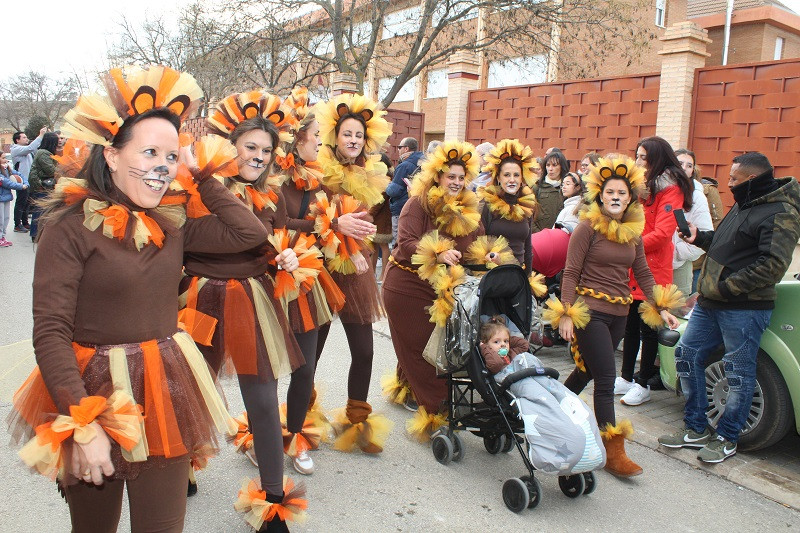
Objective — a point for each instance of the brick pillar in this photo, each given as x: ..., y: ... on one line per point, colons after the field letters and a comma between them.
x: 462, y: 77
x: 343, y: 83
x: 684, y: 51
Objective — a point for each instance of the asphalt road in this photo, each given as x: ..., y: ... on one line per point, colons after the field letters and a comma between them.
x: 404, y: 489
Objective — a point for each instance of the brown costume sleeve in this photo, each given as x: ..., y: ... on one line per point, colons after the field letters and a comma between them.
x: 517, y: 346
x: 410, y: 227
x: 231, y: 227
x: 57, y: 275
x: 576, y: 257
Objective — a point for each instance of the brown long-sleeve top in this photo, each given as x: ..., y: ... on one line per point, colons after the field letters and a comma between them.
x: 294, y: 200
x: 242, y: 264
x: 597, y: 263
x: 495, y: 363
x: 518, y: 233
x: 92, y: 289
x: 413, y: 224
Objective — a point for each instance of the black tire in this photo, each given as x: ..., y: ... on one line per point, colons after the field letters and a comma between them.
x: 442, y: 448
x: 494, y: 444
x: 458, y: 447
x: 572, y: 486
x: 534, y: 491
x: 771, y: 415
x: 516, y: 495
x: 508, y: 444
x: 591, y: 483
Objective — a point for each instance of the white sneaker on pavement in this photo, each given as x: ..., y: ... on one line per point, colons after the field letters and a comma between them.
x: 251, y: 454
x: 622, y: 386
x: 637, y: 395
x: 303, y: 463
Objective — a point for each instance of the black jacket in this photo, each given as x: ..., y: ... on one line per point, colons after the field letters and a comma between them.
x: 752, y: 247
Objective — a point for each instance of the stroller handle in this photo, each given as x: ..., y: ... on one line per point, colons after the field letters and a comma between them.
x: 527, y: 373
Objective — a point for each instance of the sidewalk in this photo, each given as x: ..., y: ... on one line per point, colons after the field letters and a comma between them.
x: 773, y: 472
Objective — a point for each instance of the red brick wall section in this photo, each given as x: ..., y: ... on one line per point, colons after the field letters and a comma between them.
x: 745, y: 108
x: 602, y: 115
x: 404, y: 124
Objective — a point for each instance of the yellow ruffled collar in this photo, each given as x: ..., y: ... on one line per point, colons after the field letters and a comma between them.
x: 627, y: 230
x: 364, y: 183
x: 454, y: 215
x: 494, y: 196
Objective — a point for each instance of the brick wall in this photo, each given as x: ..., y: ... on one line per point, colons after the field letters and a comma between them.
x: 744, y: 108
x: 600, y: 115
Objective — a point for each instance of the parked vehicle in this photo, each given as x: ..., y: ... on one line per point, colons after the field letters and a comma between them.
x: 776, y: 399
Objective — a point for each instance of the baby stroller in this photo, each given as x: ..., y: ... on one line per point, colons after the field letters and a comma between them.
x: 478, y: 404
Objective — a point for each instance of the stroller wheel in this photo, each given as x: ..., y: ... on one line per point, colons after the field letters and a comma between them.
x: 508, y: 445
x: 442, y: 448
x: 494, y: 444
x: 516, y: 495
x: 572, y: 486
x: 458, y: 447
x: 591, y: 483
x: 534, y: 491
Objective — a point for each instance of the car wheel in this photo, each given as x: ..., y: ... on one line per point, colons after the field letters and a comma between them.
x: 770, y: 416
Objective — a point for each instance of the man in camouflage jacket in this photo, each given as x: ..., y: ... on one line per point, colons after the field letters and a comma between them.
x: 747, y: 255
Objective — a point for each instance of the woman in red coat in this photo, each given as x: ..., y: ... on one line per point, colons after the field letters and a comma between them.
x: 668, y: 188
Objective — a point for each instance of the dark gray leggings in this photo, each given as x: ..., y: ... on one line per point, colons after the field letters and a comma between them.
x: 359, y: 339
x: 597, y: 343
x: 302, y: 382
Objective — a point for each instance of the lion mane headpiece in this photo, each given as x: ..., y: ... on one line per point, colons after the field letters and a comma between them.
x: 130, y: 91
x: 330, y: 113
x: 618, y: 168
x: 512, y: 149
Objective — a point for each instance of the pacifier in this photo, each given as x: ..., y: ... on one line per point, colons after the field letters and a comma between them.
x: 503, y: 352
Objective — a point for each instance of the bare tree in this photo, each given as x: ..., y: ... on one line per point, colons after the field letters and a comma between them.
x: 35, y: 93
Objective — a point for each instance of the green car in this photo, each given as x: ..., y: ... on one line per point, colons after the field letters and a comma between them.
x: 776, y: 399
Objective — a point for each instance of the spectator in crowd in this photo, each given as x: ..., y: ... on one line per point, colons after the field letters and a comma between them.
x: 483, y: 177
x: 698, y: 215
x: 62, y: 140
x: 548, y: 190
x: 9, y: 180
x: 397, y: 190
x: 588, y: 160
x: 745, y: 257
x: 432, y: 147
x: 551, y: 150
x: 572, y: 191
x: 21, y: 158
x: 42, y: 177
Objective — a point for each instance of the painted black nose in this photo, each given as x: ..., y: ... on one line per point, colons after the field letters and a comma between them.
x: 257, y: 160
x: 161, y: 169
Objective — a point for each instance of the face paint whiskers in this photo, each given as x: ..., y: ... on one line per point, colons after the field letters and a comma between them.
x: 155, y: 179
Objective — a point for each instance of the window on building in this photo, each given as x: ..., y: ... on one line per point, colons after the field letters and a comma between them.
x: 517, y: 71
x: 661, y: 11
x: 361, y: 33
x: 401, y: 22
x: 437, y: 84
x: 405, y: 94
x: 321, y: 44
x: 779, y: 42
x: 456, y: 6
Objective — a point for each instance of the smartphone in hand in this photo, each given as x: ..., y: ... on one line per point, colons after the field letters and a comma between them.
x: 683, y: 226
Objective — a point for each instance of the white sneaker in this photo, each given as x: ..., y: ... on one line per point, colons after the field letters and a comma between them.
x: 622, y: 386
x: 251, y: 454
x: 637, y: 395
x: 303, y: 463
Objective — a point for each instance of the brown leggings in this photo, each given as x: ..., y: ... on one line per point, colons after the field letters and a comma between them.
x: 157, y: 500
x: 359, y: 339
x: 302, y: 382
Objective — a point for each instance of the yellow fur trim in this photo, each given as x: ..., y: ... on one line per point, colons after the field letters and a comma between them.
x: 627, y: 230
x: 512, y: 149
x: 620, y: 168
x: 576, y: 355
x: 396, y: 391
x: 444, y: 285
x: 328, y: 115
x: 422, y: 424
x: 426, y: 256
x: 374, y: 430
x: 488, y: 244
x: 454, y: 215
x: 537, y: 282
x: 364, y: 183
x: 445, y: 155
x: 665, y: 298
x: 555, y: 309
x: 623, y: 427
x: 494, y: 196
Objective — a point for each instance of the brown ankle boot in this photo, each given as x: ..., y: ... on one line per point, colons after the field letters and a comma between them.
x: 617, y: 461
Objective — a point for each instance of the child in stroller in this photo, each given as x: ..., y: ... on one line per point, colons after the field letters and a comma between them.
x: 562, y: 435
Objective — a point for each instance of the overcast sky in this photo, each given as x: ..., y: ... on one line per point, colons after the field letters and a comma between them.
x: 73, y: 34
